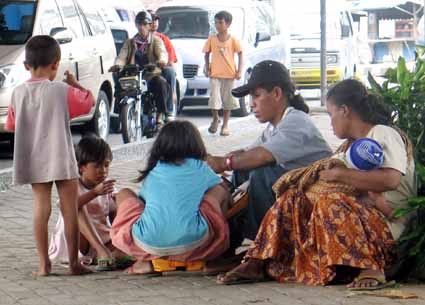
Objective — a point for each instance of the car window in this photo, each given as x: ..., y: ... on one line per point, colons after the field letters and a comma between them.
x: 123, y: 15
x: 261, y: 22
x: 120, y: 36
x: 269, y: 18
x: 49, y: 17
x: 345, y: 22
x: 71, y: 18
x: 94, y: 20
x: 16, y: 21
x: 188, y: 22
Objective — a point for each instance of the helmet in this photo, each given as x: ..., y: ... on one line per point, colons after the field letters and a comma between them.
x: 365, y: 154
x: 143, y: 17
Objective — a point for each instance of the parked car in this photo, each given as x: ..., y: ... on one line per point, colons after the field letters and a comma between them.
x: 87, y: 49
x: 341, y: 39
x: 188, y: 24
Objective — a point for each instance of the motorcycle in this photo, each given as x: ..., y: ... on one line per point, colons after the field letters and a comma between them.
x: 137, y: 105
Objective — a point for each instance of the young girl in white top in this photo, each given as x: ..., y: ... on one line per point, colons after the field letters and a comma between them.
x: 96, y: 207
x: 40, y: 114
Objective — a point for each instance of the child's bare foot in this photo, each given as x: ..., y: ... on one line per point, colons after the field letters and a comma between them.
x: 79, y: 270
x: 140, y: 267
x: 43, y: 270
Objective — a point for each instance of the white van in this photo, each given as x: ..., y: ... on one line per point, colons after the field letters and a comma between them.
x: 87, y: 49
x: 341, y: 45
x: 188, y: 24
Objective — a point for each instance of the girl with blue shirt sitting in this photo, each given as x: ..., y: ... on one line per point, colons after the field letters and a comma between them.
x: 179, y: 211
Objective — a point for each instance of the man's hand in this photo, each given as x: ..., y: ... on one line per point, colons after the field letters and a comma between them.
x: 238, y: 75
x: 105, y: 187
x: 331, y: 175
x: 162, y: 64
x: 114, y: 68
x: 218, y: 164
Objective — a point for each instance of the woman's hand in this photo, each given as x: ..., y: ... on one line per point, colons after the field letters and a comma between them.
x: 331, y: 175
x: 105, y: 187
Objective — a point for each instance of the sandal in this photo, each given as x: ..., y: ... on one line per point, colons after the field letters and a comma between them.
x: 381, y: 283
x: 213, y: 127
x: 105, y: 264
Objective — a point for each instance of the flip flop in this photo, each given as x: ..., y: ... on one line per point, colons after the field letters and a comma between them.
x: 241, y: 278
x: 381, y: 283
x: 105, y: 264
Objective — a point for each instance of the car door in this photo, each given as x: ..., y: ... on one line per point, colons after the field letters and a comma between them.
x: 101, y: 44
x: 80, y: 51
x: 275, y: 48
x: 253, y: 53
x: 49, y: 20
x: 264, y: 27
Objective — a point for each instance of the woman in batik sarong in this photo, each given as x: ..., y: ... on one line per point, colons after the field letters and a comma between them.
x: 325, y: 223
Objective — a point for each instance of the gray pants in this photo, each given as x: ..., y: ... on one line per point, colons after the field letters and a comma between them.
x: 261, y: 195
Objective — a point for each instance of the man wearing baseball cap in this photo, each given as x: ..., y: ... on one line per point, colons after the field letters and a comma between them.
x: 290, y: 140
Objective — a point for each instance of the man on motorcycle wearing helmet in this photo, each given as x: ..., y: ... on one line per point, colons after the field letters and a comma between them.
x: 147, y: 49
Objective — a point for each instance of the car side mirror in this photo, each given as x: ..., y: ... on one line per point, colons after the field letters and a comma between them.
x: 345, y: 31
x: 61, y: 34
x: 262, y: 36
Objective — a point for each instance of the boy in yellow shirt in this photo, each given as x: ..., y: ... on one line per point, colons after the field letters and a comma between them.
x: 222, y: 70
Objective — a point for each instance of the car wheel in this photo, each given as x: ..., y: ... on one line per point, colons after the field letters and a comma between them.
x: 100, y: 122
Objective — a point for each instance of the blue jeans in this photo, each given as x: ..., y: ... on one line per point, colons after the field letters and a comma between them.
x: 170, y: 75
x: 260, y: 193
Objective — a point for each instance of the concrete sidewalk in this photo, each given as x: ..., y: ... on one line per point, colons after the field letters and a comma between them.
x: 18, y: 256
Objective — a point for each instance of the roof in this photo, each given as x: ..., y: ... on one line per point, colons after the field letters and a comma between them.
x: 389, y: 9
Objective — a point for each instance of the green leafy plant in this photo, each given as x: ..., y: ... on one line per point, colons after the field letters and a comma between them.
x: 403, y: 91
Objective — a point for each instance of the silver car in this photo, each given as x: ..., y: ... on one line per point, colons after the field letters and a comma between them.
x: 188, y: 24
x: 87, y: 49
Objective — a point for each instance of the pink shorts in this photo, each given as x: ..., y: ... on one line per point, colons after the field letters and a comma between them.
x: 216, y: 243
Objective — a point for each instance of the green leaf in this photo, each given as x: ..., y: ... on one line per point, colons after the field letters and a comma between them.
x: 373, y: 83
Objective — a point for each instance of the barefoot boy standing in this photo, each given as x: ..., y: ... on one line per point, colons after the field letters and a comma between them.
x: 40, y: 114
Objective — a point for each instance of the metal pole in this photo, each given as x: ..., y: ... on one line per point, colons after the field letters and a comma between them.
x: 423, y: 18
x: 323, y: 57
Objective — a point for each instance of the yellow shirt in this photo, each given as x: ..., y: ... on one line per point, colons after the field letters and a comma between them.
x: 222, y: 56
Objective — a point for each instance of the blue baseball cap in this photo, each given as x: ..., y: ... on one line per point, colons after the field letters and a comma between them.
x: 365, y: 154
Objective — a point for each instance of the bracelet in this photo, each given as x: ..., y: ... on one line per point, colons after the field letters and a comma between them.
x: 229, y: 162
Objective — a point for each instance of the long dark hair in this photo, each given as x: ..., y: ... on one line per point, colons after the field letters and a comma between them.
x: 294, y: 99
x: 176, y: 141
x: 369, y: 107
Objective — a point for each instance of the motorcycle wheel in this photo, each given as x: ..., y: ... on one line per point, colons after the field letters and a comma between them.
x: 129, y: 129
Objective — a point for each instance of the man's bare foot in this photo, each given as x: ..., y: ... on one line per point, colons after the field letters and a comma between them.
x: 252, y: 269
x: 43, y: 270
x: 368, y: 279
x: 79, y: 270
x: 140, y: 267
